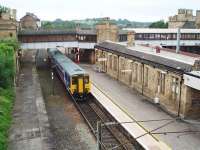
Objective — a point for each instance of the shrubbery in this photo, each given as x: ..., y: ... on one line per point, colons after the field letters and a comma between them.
x: 7, y: 73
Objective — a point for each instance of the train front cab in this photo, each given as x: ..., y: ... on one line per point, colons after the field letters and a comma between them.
x: 80, y: 86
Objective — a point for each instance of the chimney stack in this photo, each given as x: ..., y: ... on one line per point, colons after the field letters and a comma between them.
x: 131, y: 38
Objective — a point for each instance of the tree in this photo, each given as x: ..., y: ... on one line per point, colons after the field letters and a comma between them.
x: 7, y: 67
x: 3, y: 9
x: 159, y: 24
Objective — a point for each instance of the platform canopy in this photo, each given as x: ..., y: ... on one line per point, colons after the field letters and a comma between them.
x: 192, y: 79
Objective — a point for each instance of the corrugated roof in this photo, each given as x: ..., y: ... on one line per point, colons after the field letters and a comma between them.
x: 45, y: 32
x: 189, y: 25
x: 56, y: 32
x: 151, y: 30
x: 148, y: 58
x: 122, y: 32
x: 87, y: 32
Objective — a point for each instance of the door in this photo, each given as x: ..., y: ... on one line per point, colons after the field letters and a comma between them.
x: 80, y: 84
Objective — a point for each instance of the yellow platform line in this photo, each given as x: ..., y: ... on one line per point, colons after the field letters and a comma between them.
x: 127, y: 113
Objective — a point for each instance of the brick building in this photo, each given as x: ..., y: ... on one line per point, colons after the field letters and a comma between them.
x: 157, y: 74
x: 8, y: 24
x: 185, y: 19
x: 30, y: 21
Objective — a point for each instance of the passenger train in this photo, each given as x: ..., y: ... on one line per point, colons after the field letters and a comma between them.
x: 75, y: 79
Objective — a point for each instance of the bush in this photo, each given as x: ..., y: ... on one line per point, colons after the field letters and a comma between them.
x: 7, y: 67
x: 7, y: 73
x: 6, y: 103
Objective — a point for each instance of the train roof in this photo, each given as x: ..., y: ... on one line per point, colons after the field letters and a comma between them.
x: 68, y: 66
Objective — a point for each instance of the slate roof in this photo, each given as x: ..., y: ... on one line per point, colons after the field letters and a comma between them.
x: 56, y: 32
x: 189, y: 25
x: 46, y: 32
x: 146, y: 58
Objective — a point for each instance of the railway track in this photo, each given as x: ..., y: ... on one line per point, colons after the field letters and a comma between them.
x: 112, y: 136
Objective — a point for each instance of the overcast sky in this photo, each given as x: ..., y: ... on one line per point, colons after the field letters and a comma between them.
x: 135, y: 10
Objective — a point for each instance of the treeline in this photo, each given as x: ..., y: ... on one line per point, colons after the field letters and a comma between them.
x: 90, y: 23
x: 159, y: 24
x: 7, y: 74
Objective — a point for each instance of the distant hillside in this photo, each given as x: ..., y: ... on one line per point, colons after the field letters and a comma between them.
x: 90, y: 23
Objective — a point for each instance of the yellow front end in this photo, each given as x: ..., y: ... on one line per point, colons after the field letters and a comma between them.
x: 80, y: 85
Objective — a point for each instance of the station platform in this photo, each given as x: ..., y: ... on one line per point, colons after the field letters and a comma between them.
x: 139, y: 108
x: 30, y: 128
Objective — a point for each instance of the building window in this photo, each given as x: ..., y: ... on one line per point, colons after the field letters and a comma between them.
x: 157, y: 36
x: 10, y: 34
x: 151, y: 36
x: 110, y: 61
x: 140, y: 71
x: 197, y: 36
x: 115, y: 63
x: 136, y: 72
x: 175, y: 88
x: 146, y: 76
x: 161, y: 82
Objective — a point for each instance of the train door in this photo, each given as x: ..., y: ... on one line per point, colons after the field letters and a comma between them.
x: 66, y: 80
x: 80, y: 84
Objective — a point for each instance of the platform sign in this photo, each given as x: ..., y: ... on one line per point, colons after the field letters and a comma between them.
x: 192, y: 81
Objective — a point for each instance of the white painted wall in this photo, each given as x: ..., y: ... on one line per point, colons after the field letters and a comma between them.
x: 169, y: 42
x: 45, y: 45
x: 191, y: 81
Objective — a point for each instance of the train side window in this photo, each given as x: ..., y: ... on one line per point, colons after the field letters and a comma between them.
x: 86, y: 79
x: 74, y: 80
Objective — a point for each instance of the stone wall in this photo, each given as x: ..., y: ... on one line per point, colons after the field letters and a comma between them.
x: 159, y: 85
x: 28, y: 22
x: 8, y: 28
x: 107, y: 31
x: 182, y: 17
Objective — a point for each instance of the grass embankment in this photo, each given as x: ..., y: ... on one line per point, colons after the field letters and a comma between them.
x: 7, y: 73
x: 6, y: 103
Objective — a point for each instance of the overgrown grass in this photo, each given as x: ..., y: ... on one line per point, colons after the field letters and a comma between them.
x: 7, y: 73
x: 6, y: 103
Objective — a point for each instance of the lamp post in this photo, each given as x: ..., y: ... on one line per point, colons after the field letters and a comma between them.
x: 52, y: 78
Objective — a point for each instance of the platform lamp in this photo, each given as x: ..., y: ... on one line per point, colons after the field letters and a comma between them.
x: 52, y: 78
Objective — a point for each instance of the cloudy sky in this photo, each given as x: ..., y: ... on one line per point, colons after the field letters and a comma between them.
x: 137, y: 10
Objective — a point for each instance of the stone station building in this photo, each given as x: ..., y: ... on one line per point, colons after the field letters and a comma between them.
x: 162, y: 76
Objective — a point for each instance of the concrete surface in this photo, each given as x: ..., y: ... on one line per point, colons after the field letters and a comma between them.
x: 140, y: 109
x: 30, y: 126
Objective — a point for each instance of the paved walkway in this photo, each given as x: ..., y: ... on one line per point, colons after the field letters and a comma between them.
x: 30, y: 127
x: 138, y: 107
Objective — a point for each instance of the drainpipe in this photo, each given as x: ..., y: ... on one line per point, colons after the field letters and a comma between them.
x: 178, y: 40
x: 179, y: 102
